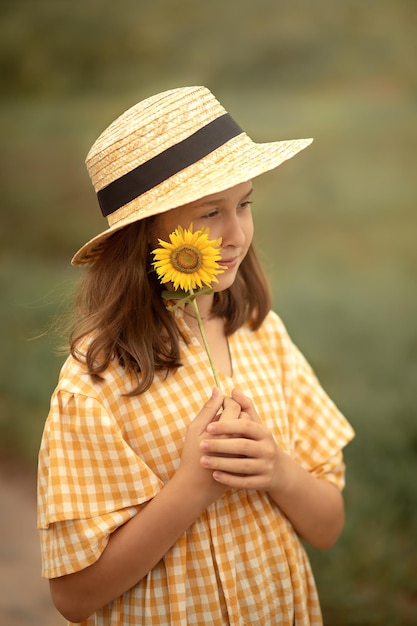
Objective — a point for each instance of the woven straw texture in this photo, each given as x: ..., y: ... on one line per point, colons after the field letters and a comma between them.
x: 156, y: 124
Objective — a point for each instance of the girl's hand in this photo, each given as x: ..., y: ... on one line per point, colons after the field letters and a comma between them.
x: 198, y: 480
x: 246, y: 406
x: 241, y: 453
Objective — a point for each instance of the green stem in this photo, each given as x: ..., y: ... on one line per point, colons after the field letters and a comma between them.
x: 203, y: 337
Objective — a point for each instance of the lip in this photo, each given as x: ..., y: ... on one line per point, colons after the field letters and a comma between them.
x: 229, y: 263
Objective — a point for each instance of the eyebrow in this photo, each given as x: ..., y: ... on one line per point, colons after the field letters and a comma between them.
x: 204, y: 203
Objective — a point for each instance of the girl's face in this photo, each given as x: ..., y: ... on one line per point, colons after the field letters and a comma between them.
x: 227, y: 215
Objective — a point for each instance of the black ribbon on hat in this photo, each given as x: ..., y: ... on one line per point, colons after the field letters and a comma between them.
x: 167, y: 163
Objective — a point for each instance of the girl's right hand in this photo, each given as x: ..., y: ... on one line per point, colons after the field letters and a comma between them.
x: 198, y: 480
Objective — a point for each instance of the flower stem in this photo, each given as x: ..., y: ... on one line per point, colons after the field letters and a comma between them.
x: 203, y: 337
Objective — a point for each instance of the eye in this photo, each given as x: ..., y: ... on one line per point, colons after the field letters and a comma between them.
x: 245, y: 204
x: 211, y: 214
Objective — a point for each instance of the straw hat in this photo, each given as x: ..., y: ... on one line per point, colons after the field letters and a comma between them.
x: 171, y: 149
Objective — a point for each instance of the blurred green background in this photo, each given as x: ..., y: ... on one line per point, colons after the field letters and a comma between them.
x: 337, y: 226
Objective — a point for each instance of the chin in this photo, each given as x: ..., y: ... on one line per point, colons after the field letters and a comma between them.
x: 225, y: 281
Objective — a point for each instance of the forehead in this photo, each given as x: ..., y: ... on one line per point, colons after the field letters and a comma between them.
x: 233, y: 193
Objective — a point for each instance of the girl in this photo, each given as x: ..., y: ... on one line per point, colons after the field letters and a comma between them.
x: 163, y: 501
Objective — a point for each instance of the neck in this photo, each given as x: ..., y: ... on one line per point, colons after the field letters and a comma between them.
x: 204, y: 303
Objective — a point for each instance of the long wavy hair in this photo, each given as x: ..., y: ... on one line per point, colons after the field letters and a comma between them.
x: 120, y: 312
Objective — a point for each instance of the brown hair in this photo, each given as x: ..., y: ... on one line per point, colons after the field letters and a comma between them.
x: 120, y: 310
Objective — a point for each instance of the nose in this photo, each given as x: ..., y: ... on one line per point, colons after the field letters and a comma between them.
x: 233, y: 232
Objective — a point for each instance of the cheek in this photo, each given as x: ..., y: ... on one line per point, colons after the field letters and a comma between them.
x: 248, y: 230
x: 162, y: 228
x: 166, y: 223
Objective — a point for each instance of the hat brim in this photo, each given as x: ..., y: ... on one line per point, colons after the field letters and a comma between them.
x: 237, y: 161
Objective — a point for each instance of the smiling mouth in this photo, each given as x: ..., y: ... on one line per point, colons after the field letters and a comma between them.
x: 229, y: 262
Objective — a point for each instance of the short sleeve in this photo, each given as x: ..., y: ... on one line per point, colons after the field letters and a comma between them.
x: 320, y: 431
x: 90, y: 481
x: 73, y: 545
x: 86, y: 467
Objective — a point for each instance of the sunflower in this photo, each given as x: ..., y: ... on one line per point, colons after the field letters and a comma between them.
x: 189, y: 260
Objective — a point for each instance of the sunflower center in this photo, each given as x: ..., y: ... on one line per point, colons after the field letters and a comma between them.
x: 186, y: 259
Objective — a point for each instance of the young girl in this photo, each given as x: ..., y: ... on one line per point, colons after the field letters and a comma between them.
x: 164, y: 499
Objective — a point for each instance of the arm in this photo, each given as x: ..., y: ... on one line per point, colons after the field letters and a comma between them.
x: 137, y: 546
x: 251, y: 459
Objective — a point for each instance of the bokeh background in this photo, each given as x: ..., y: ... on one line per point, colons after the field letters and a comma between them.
x: 337, y: 226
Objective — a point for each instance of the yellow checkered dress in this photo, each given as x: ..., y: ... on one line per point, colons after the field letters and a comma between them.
x: 103, y: 455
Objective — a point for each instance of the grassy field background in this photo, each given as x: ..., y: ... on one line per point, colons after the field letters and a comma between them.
x: 336, y: 227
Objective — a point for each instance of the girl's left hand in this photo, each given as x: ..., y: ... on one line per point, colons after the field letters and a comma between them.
x: 242, y: 453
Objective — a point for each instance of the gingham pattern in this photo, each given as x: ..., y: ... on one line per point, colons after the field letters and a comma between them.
x: 103, y: 455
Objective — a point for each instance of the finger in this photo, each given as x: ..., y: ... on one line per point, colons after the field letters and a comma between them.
x: 244, y: 428
x: 231, y: 409
x: 245, y: 404
x: 241, y: 481
x: 242, y: 466
x: 209, y: 411
x: 231, y: 446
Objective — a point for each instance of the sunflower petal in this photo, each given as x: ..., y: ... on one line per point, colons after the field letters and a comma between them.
x: 169, y: 259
